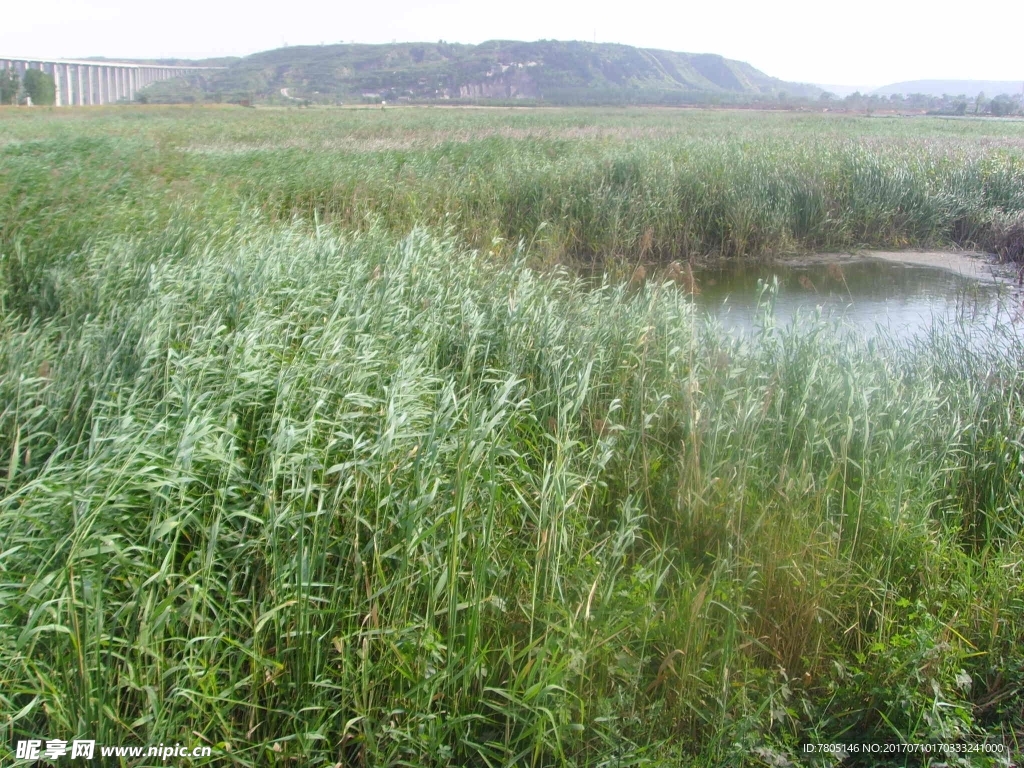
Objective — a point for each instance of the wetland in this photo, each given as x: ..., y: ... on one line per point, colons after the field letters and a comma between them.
x: 315, y: 442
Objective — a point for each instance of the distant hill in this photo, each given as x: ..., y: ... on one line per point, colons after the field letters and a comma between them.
x: 548, y: 70
x: 968, y: 88
x: 845, y: 90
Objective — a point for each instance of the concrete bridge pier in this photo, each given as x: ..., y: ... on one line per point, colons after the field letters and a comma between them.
x: 90, y: 82
x: 55, y: 71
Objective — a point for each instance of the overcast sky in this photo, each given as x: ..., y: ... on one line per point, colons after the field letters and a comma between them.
x: 868, y: 42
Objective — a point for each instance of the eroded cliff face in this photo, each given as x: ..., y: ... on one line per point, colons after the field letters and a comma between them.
x: 508, y: 81
x: 560, y: 71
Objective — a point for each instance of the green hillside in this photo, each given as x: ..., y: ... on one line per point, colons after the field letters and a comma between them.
x: 548, y: 70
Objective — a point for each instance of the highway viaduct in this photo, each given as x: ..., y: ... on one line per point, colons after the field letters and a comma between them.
x: 81, y: 82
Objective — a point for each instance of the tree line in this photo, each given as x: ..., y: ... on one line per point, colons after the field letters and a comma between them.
x: 35, y: 85
x: 948, y: 104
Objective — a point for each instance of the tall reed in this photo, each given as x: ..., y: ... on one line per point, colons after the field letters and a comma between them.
x: 318, y: 497
x: 591, y: 186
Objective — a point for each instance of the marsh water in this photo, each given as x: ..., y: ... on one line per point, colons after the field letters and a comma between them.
x: 863, y: 294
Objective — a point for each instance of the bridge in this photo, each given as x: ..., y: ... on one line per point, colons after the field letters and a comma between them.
x: 81, y: 82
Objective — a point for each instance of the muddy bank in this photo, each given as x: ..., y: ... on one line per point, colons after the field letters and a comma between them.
x: 977, y: 266
x: 968, y: 264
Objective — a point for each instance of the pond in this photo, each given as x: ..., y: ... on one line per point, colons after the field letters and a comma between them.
x: 864, y: 293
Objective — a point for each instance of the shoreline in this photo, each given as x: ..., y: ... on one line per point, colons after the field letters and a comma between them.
x: 974, y: 265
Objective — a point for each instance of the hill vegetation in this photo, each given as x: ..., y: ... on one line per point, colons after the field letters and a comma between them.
x: 547, y: 71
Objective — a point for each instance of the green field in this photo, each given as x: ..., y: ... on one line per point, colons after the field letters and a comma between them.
x: 315, y: 449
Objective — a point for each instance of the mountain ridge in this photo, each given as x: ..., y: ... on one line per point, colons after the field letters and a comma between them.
x: 545, y: 70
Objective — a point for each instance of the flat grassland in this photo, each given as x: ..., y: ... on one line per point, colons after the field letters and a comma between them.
x: 312, y: 452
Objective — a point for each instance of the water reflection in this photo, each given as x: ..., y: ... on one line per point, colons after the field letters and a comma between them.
x: 863, y: 294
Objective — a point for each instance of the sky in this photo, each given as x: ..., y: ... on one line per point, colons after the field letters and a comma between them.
x: 868, y: 42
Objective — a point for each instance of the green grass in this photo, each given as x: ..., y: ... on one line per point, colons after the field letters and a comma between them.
x: 577, y: 185
x: 315, y: 489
